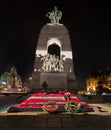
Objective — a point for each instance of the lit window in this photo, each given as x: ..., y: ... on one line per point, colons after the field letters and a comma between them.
x: 35, y: 69
x: 30, y: 78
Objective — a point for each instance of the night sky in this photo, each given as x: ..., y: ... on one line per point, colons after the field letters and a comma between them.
x: 89, y: 26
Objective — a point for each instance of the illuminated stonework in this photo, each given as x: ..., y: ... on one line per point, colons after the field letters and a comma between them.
x: 54, y: 39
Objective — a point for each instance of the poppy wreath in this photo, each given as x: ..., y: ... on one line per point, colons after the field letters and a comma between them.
x: 50, y: 107
x: 73, y: 107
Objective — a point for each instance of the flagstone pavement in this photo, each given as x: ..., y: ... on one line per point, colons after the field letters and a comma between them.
x: 61, y: 121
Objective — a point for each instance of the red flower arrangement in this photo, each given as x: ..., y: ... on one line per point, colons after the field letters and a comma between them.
x: 50, y: 107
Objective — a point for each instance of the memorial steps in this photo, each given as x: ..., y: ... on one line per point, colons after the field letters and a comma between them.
x: 37, y: 100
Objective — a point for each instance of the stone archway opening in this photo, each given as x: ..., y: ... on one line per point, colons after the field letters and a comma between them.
x: 54, y: 49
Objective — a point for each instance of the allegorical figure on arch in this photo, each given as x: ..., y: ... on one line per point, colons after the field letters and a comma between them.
x: 54, y: 16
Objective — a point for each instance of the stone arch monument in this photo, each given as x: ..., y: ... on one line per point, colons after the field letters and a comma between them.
x: 54, y: 59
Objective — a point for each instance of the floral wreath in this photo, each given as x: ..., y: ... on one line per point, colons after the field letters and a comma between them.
x: 73, y: 107
x: 50, y: 106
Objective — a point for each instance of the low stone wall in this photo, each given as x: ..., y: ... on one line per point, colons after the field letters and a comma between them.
x: 54, y: 80
x: 96, y: 98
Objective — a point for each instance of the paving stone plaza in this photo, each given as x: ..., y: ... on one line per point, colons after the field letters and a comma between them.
x: 61, y: 121
x: 64, y: 121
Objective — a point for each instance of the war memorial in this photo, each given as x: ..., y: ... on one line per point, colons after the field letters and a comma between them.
x: 53, y: 111
x: 54, y: 68
x: 54, y: 58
